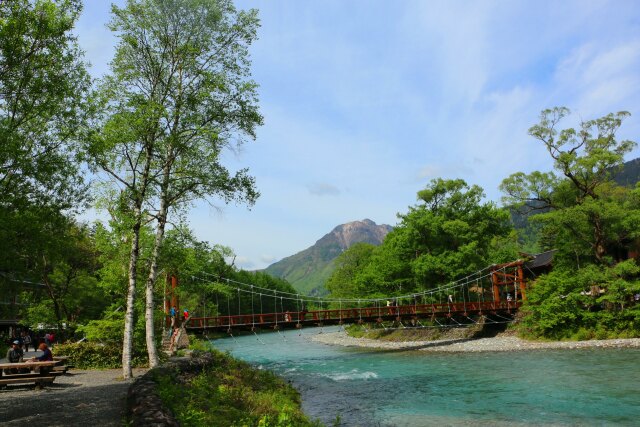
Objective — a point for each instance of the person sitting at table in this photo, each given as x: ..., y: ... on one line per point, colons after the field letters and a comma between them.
x: 14, y: 355
x: 46, y: 355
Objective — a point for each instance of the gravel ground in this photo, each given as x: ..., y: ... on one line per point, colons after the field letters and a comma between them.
x: 80, y: 398
x: 498, y: 343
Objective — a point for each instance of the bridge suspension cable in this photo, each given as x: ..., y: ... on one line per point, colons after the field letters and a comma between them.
x: 293, y: 296
x: 453, y: 301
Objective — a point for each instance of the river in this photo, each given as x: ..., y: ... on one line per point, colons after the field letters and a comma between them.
x: 413, y: 388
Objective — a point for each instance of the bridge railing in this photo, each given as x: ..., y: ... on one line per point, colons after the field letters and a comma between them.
x: 352, y: 314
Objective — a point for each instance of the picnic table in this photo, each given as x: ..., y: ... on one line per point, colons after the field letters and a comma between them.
x: 63, y: 365
x: 40, y: 378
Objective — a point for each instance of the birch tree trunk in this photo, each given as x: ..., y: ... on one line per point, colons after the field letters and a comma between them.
x: 127, y: 342
x: 139, y: 197
x: 151, y: 280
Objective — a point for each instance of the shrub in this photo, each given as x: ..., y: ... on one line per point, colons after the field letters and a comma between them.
x: 86, y: 355
x: 230, y: 392
x: 562, y: 304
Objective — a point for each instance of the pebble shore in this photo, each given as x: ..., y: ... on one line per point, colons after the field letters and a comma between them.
x: 498, y: 343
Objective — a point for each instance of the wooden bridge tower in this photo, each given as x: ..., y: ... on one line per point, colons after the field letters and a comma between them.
x: 507, y: 277
x: 171, y: 298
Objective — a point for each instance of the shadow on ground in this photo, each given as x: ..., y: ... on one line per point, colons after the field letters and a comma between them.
x: 64, y: 405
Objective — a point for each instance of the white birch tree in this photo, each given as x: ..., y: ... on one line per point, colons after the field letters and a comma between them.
x: 180, y: 93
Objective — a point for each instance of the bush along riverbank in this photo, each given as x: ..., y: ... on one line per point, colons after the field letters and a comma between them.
x: 87, y: 355
x: 489, y: 338
x: 396, y: 333
x: 214, y: 389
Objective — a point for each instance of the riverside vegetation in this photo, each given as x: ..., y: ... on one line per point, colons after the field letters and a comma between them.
x: 592, y: 222
x: 230, y: 392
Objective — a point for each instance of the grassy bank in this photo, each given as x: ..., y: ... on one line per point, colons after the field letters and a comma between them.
x: 231, y: 393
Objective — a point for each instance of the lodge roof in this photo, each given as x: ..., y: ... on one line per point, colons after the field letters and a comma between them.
x: 542, y: 259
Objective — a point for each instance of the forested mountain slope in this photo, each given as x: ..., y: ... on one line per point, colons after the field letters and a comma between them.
x: 308, y: 270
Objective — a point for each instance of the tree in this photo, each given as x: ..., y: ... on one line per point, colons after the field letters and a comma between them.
x: 448, y: 234
x: 593, y: 302
x: 341, y: 283
x: 43, y: 83
x: 179, y: 95
x: 451, y: 231
x: 66, y: 266
x: 583, y: 207
x: 593, y: 223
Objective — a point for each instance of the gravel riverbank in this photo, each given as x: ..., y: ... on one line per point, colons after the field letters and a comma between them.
x: 498, y: 343
x: 81, y: 398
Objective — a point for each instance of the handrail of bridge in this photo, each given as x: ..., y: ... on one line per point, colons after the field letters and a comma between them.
x: 350, y: 314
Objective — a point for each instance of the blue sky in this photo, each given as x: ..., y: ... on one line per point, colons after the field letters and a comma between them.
x: 366, y: 101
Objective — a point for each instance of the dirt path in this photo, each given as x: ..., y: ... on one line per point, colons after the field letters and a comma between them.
x: 81, y: 398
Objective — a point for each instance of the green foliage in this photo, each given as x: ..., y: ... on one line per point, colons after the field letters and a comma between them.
x: 593, y: 224
x: 587, y: 217
x: 103, y: 330
x: 43, y: 85
x: 231, y: 393
x: 86, y: 355
x: 594, y: 301
x: 62, y: 270
x: 347, y: 266
x: 203, y: 271
x: 67, y: 268
x: 450, y: 233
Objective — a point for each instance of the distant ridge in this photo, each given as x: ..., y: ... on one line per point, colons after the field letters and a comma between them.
x: 308, y: 270
x: 629, y: 174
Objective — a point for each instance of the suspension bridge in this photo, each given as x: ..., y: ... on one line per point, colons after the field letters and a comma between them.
x: 491, y: 295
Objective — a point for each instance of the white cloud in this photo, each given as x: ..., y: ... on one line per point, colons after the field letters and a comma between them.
x: 268, y: 259
x: 323, y: 189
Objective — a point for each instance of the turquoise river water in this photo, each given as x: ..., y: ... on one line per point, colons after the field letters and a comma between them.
x: 413, y: 388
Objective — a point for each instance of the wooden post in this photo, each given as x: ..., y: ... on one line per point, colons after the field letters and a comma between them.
x: 496, y: 289
x: 175, y: 298
x: 521, y: 282
x: 167, y: 303
x: 171, y: 299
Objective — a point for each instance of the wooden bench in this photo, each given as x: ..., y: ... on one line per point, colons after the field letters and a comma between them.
x: 39, y: 375
x: 38, y: 380
x: 62, y: 365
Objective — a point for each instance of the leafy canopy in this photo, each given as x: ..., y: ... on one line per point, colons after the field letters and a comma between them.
x: 449, y: 233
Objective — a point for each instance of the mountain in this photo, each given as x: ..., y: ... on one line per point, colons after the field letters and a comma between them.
x: 309, y: 269
x: 629, y: 174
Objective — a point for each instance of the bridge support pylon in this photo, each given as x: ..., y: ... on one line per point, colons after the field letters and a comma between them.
x: 508, y: 277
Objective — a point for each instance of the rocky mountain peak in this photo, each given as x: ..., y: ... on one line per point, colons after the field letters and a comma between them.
x: 308, y: 269
x: 359, y: 231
